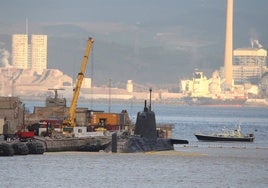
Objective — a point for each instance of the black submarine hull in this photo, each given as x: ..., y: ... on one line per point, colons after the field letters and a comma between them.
x: 145, y: 137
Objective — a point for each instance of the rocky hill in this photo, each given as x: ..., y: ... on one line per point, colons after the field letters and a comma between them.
x: 20, y: 82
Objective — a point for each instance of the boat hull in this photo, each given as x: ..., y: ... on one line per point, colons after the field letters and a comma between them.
x: 206, y: 101
x: 209, y: 138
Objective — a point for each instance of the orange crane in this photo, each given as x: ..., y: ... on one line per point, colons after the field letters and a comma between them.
x: 70, y: 121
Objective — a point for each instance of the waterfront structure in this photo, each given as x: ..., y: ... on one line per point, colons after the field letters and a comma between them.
x: 249, y: 64
x: 11, y: 115
x: 20, y: 51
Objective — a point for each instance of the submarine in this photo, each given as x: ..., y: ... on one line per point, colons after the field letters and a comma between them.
x: 145, y: 137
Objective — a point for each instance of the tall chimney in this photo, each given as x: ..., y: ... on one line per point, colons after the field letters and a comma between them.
x: 228, y: 58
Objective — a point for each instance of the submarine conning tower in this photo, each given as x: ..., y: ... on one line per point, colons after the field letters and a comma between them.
x: 145, y: 136
x: 145, y: 123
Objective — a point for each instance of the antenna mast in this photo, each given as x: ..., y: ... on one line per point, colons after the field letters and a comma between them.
x: 26, y: 27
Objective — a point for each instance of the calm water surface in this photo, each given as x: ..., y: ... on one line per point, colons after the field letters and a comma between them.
x: 198, y: 164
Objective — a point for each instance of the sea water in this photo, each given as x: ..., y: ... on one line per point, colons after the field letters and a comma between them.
x: 198, y: 164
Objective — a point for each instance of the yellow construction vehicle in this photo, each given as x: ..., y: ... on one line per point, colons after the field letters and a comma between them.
x: 70, y: 123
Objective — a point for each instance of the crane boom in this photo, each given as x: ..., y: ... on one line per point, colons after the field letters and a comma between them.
x: 70, y: 121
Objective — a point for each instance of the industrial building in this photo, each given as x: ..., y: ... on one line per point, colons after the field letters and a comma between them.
x: 11, y: 115
x: 249, y: 64
x: 244, y: 64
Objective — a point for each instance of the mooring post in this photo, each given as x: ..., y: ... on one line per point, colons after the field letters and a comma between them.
x: 114, y: 143
x: 150, y: 107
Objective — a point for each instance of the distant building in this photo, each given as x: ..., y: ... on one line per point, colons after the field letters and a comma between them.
x: 86, y: 83
x: 33, y: 55
x: 11, y: 115
x: 249, y: 64
x: 20, y: 51
x: 39, y: 52
x: 129, y: 86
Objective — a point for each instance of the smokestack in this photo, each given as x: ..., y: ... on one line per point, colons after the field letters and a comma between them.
x: 228, y: 58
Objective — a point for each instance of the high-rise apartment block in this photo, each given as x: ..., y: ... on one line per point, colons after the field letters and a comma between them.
x: 20, y: 51
x: 39, y: 52
x: 31, y: 55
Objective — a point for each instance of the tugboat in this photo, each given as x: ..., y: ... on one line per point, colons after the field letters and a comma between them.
x: 227, y: 136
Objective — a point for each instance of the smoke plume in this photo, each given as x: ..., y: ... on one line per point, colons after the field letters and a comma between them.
x: 4, y: 56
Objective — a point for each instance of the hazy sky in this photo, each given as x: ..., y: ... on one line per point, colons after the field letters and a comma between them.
x: 183, y: 25
x: 104, y: 16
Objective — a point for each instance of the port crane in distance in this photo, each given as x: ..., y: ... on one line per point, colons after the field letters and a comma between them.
x: 55, y: 92
x: 69, y: 123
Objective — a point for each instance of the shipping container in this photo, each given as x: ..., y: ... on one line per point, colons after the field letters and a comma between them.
x: 109, y: 121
